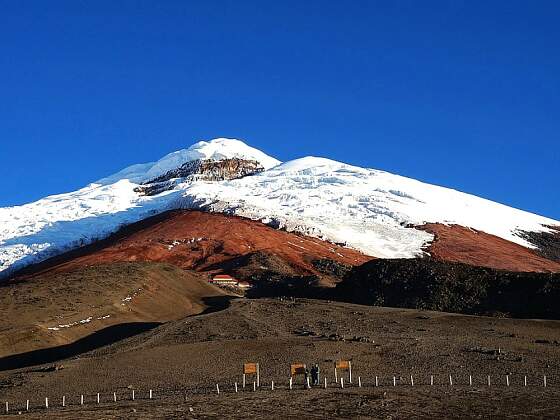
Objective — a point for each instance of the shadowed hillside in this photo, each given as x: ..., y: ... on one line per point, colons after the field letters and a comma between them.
x: 452, y: 287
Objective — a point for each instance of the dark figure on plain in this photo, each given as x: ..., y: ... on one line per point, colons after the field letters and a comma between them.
x: 315, y: 371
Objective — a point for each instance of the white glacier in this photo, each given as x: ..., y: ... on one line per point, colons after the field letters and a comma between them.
x: 366, y: 209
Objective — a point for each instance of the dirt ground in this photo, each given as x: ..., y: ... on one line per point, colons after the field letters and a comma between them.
x: 195, y: 353
x: 366, y: 402
x: 60, y: 308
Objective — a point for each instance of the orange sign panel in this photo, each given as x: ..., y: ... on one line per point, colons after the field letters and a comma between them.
x: 297, y: 369
x: 343, y: 364
x: 249, y: 368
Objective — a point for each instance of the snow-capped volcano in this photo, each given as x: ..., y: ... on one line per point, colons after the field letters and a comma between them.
x: 366, y: 209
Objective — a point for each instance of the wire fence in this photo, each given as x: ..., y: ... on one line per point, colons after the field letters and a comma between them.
x: 184, y: 393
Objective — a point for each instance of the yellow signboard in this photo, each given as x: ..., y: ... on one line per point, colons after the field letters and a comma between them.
x: 342, y: 364
x: 250, y: 368
x: 297, y: 369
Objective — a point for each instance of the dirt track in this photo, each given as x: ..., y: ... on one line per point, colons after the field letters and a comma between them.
x: 196, y: 353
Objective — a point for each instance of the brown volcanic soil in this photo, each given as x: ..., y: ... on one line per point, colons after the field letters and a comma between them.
x: 459, y: 244
x: 194, y: 354
x: 201, y: 241
x: 107, y: 294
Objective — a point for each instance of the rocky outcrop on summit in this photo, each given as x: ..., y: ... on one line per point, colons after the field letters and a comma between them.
x: 201, y: 170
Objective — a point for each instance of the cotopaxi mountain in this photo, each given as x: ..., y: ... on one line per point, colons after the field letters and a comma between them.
x: 382, y: 215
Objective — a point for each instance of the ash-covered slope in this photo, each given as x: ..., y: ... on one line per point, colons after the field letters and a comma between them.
x: 370, y: 210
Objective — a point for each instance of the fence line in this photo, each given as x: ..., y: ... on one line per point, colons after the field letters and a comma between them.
x: 377, y: 381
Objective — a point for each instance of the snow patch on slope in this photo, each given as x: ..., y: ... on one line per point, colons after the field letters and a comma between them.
x: 366, y: 209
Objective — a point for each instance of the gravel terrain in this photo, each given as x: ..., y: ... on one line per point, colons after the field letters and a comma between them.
x: 191, y: 355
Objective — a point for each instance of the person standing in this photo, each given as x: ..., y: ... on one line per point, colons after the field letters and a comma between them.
x: 317, y: 374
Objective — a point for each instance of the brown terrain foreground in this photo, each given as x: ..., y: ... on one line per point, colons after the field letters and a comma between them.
x: 182, y: 361
x: 57, y: 309
x: 460, y: 244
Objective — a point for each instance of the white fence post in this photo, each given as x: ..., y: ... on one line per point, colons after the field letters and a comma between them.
x: 544, y: 381
x: 254, y: 386
x: 98, y: 398
x: 46, y: 402
x: 525, y: 381
x: 341, y: 382
x: 82, y: 399
x: 27, y: 405
x: 114, y: 396
x: 7, y: 408
x: 394, y: 381
x: 151, y: 393
x: 243, y: 380
x: 507, y: 380
x: 217, y: 390
x: 64, y: 401
x: 133, y: 395
x: 325, y: 383
x: 359, y: 381
x: 236, y: 387
x: 291, y: 380
x: 450, y: 381
x: 470, y: 380
x: 411, y: 381
x: 376, y: 381
x: 431, y: 380
x: 489, y: 380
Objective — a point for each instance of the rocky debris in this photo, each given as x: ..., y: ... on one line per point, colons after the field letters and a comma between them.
x: 52, y: 368
x: 331, y: 267
x: 336, y: 337
x: 543, y: 341
x: 547, y: 243
x: 201, y: 169
x: 430, y: 284
x: 304, y: 332
x: 362, y: 339
x: 483, y: 350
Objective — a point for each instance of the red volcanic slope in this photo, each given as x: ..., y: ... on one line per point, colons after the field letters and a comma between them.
x: 201, y: 241
x: 460, y: 244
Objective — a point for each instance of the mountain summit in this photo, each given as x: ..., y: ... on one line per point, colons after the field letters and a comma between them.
x: 380, y: 214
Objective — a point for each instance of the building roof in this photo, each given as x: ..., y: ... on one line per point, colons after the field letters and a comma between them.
x: 223, y: 277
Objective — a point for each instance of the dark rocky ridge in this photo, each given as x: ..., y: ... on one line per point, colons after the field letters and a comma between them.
x: 452, y: 287
x: 547, y: 243
x: 201, y: 169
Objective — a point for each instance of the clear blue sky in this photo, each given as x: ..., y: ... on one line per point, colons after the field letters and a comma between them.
x: 461, y: 94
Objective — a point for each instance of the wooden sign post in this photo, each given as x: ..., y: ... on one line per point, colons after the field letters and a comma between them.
x: 297, y: 369
x: 343, y: 365
x: 251, y: 369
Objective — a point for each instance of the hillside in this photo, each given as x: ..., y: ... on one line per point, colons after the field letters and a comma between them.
x: 58, y: 308
x: 183, y: 360
x: 437, y: 285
